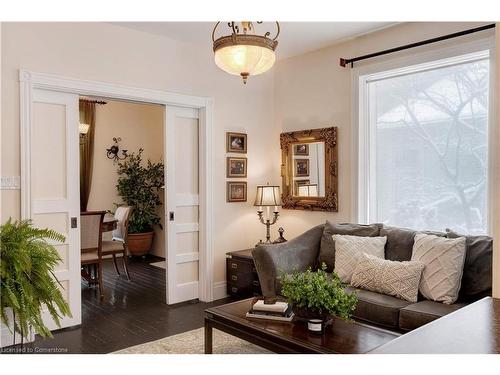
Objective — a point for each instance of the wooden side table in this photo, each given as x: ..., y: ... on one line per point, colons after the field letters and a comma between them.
x: 241, y: 275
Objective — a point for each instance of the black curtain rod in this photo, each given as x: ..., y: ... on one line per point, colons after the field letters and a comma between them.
x: 345, y: 62
x: 94, y: 101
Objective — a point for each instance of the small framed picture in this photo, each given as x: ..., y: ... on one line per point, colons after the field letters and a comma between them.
x: 236, y: 167
x: 300, y: 183
x: 236, y: 142
x: 301, y: 167
x: 236, y: 191
x: 302, y: 149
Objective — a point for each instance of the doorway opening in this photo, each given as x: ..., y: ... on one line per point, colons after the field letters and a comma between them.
x: 122, y: 175
x: 49, y: 150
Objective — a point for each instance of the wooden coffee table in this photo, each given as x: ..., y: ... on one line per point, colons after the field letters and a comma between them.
x: 283, y: 337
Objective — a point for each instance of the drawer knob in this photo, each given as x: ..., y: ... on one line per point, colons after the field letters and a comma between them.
x: 234, y: 289
x: 234, y: 266
x: 234, y: 277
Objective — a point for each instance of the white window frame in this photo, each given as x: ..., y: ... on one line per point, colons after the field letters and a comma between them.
x: 362, y: 157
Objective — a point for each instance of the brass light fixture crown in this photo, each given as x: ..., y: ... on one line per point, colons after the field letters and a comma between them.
x: 243, y: 52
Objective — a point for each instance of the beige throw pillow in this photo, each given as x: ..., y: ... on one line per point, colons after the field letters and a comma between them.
x: 398, y: 279
x: 348, y: 250
x: 444, y: 264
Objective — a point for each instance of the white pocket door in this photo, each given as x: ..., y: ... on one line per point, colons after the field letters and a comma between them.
x: 51, y: 185
x: 182, y: 203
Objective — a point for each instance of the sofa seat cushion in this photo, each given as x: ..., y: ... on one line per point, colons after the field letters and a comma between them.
x: 378, y: 309
x: 327, y: 248
x: 420, y: 313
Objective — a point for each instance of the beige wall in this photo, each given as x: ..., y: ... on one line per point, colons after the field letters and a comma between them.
x: 139, y: 126
x: 105, y: 52
x: 313, y: 91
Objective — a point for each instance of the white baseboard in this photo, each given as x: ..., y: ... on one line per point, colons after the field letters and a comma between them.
x: 219, y: 290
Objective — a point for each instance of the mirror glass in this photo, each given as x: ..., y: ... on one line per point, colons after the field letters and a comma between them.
x: 308, y: 163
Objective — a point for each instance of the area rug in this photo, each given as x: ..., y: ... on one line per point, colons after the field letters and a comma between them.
x: 192, y: 342
x: 161, y: 264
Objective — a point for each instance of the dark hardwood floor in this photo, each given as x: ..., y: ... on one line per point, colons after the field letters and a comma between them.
x: 131, y: 313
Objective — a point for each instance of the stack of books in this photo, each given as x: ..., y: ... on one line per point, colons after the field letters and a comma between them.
x: 276, y: 311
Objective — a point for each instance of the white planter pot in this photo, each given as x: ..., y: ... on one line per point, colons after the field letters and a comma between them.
x: 6, y: 337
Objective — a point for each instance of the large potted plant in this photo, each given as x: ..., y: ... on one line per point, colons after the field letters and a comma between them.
x: 318, y: 295
x: 27, y: 279
x: 139, y: 187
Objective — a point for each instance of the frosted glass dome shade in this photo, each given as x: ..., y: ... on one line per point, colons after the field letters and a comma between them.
x: 244, y: 60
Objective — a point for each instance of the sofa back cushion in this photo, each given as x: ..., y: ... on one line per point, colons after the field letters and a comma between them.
x: 327, y: 247
x: 399, y: 245
x: 477, y: 277
x: 398, y: 279
x: 349, y: 249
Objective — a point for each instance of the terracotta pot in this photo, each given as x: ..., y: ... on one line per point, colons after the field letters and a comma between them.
x: 139, y: 243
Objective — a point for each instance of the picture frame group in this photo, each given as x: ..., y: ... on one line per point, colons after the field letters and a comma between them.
x: 236, y: 167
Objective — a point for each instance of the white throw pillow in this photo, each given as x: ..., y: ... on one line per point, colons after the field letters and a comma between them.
x: 348, y: 250
x: 444, y: 264
x: 398, y: 279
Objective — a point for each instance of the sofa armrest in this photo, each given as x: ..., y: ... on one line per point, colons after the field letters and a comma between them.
x: 295, y: 255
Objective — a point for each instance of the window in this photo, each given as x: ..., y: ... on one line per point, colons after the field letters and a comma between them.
x: 424, y: 145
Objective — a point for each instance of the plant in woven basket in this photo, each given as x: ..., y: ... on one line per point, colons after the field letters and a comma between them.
x: 27, y: 280
x: 318, y: 294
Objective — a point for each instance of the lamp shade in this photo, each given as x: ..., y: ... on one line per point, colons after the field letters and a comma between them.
x: 246, y: 59
x: 83, y: 128
x: 268, y: 196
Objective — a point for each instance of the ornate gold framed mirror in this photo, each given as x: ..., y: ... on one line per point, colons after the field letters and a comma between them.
x: 309, y: 166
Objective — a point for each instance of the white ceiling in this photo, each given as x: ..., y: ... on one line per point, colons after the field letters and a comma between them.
x: 295, y: 38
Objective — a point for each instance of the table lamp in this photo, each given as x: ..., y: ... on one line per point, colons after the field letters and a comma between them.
x: 268, y: 196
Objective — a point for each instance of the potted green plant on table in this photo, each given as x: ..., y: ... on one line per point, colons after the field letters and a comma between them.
x: 139, y: 187
x: 317, y: 296
x: 27, y: 280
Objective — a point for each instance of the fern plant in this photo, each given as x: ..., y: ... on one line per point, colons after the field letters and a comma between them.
x: 139, y: 186
x: 27, y: 280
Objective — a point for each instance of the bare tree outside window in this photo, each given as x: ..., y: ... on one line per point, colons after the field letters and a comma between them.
x: 431, y: 137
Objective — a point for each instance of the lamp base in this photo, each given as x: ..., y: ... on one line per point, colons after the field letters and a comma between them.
x: 263, y: 243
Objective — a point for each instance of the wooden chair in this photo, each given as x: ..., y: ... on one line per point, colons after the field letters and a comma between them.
x: 119, y: 243
x: 91, y: 247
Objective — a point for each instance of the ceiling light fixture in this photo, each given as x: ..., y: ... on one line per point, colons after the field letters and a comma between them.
x: 245, y: 53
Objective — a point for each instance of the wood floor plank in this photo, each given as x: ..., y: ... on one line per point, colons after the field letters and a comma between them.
x: 131, y: 313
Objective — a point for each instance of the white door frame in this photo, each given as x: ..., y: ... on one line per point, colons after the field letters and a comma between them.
x: 32, y: 80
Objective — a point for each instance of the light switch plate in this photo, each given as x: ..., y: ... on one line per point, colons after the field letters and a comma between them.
x: 10, y: 183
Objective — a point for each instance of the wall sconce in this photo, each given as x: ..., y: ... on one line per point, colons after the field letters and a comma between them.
x: 114, y: 151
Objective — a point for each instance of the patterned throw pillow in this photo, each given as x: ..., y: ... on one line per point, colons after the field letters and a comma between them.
x: 444, y: 264
x: 398, y: 279
x: 348, y: 250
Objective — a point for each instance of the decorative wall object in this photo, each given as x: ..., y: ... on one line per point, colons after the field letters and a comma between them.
x: 302, y: 149
x: 324, y: 142
x: 236, y: 191
x: 301, y: 167
x: 236, y: 167
x: 114, y: 151
x: 236, y: 142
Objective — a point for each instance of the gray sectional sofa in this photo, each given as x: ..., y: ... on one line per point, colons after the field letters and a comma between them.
x: 316, y: 246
